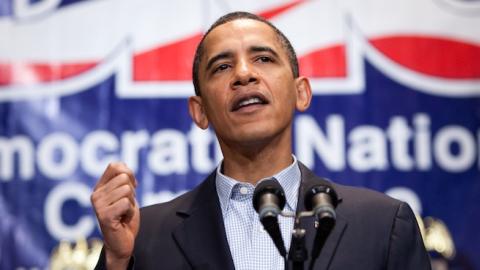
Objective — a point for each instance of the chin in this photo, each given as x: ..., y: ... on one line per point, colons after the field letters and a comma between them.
x: 256, y: 135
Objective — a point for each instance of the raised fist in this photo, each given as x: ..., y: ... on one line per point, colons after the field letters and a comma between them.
x: 117, y: 211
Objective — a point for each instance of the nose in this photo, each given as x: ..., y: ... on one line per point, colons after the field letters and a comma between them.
x: 244, y: 74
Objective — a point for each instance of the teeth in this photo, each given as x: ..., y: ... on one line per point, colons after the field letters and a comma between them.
x: 249, y: 101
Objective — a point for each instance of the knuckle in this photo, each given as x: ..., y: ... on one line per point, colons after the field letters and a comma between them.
x: 132, y: 188
x: 116, y: 166
x: 94, y: 197
x: 127, y: 189
x: 122, y: 178
x: 111, y: 166
x: 120, y: 168
x: 127, y: 170
x: 125, y: 202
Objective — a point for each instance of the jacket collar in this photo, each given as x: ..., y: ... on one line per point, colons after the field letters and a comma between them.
x: 201, y: 236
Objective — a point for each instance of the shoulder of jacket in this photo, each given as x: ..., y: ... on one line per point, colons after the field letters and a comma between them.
x: 359, y: 200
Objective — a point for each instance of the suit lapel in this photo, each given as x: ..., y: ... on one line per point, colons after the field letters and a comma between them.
x: 328, y: 250
x: 201, y: 236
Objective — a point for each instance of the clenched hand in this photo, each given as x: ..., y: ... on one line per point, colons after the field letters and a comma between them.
x: 117, y: 211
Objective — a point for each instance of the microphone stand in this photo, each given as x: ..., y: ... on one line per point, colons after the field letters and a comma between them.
x: 298, y: 252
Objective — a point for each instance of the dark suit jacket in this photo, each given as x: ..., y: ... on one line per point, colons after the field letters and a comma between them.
x: 372, y: 232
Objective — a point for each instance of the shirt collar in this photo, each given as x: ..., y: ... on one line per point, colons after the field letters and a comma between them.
x: 289, y: 179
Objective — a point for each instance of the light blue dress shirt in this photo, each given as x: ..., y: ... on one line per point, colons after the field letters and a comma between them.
x: 250, y: 245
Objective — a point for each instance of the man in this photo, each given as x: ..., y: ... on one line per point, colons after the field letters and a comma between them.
x: 247, y: 88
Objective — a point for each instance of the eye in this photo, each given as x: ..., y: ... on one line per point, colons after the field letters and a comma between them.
x: 221, y: 67
x: 265, y: 59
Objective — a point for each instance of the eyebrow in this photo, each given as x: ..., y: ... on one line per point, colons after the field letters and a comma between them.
x: 229, y: 54
x: 263, y: 49
x: 222, y: 55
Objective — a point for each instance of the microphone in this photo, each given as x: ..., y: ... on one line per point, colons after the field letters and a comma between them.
x: 321, y: 200
x: 268, y: 201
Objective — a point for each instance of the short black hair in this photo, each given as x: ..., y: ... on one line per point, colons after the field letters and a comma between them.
x: 237, y: 15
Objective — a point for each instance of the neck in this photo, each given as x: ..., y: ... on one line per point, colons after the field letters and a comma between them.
x: 253, y: 162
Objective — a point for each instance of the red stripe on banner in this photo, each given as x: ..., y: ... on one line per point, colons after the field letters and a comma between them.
x: 327, y: 62
x: 172, y: 62
x: 434, y: 56
x: 6, y: 76
x: 14, y: 73
x: 278, y: 10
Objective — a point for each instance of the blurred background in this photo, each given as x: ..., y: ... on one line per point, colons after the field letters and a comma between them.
x: 396, y: 108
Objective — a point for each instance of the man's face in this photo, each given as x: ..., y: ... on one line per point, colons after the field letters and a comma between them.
x: 248, y: 93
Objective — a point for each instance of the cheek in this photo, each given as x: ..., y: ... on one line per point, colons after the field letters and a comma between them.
x: 278, y: 78
x: 219, y: 82
x: 274, y: 84
x: 214, y: 93
x: 215, y: 108
x: 284, y: 91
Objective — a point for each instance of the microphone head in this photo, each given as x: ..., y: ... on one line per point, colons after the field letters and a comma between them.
x: 269, y: 189
x: 268, y: 201
x: 316, y: 189
x: 322, y: 200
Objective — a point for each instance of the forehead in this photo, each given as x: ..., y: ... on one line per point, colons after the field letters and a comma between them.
x: 240, y: 34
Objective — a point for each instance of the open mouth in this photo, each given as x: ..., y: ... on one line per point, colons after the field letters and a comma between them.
x: 249, y: 101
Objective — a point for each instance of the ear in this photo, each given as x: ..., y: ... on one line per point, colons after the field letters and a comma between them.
x: 197, y: 112
x: 304, y: 93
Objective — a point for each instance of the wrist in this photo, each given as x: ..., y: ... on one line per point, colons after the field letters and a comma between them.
x: 115, y: 262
